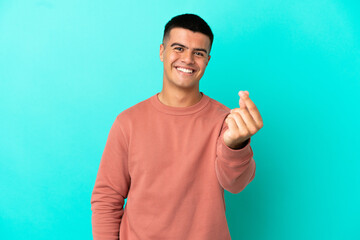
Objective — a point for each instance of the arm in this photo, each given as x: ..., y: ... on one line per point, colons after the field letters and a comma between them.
x: 111, y: 186
x: 235, y: 168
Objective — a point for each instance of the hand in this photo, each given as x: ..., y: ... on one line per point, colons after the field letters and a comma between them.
x: 243, y: 122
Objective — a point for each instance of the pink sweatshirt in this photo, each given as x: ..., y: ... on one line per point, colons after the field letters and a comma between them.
x: 172, y: 165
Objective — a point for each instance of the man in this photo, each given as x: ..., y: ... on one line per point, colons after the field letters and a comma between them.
x: 173, y: 154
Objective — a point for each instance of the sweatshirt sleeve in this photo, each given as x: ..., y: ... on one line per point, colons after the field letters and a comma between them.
x: 111, y: 186
x: 235, y: 168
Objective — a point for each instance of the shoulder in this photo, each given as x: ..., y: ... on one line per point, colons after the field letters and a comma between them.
x: 134, y: 112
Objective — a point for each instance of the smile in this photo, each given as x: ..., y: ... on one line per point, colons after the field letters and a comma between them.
x: 185, y: 70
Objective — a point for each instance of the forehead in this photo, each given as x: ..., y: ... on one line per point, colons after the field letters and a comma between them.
x: 189, y: 38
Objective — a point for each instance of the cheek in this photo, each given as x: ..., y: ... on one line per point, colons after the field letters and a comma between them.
x: 173, y: 57
x: 202, y: 64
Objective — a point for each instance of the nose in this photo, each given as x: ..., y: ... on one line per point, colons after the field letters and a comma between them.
x: 187, y: 57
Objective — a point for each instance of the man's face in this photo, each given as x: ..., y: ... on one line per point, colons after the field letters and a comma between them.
x: 185, y: 55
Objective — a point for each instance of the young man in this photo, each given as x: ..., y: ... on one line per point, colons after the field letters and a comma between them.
x: 173, y: 154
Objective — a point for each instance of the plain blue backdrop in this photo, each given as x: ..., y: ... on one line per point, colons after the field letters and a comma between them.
x: 68, y: 68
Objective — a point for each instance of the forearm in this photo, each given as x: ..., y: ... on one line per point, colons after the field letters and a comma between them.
x: 235, y: 168
x: 107, y: 211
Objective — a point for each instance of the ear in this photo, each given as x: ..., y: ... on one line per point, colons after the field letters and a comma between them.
x: 162, y: 47
x: 208, y: 60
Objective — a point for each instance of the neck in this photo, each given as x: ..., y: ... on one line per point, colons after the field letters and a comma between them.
x: 179, y: 98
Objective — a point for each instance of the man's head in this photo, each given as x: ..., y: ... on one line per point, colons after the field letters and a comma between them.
x: 185, y: 51
x: 191, y: 22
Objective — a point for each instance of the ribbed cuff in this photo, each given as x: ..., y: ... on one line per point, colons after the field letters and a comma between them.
x: 237, y: 155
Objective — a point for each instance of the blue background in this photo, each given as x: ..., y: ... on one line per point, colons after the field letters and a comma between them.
x: 68, y: 68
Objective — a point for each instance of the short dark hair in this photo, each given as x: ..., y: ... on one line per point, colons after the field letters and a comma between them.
x: 189, y: 21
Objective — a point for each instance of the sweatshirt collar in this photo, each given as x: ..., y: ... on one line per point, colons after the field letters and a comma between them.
x: 179, y: 110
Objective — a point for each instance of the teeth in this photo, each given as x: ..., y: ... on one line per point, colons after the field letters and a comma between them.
x: 184, y: 70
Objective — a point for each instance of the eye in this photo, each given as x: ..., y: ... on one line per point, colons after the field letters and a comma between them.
x: 179, y: 49
x: 199, y: 54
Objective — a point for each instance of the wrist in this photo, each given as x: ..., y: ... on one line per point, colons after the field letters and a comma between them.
x: 240, y: 145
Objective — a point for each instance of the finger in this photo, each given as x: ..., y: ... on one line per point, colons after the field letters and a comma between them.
x: 246, y: 92
x: 231, y: 124
x: 250, y: 105
x: 241, y: 100
x: 242, y: 103
x: 241, y: 125
x: 248, y: 119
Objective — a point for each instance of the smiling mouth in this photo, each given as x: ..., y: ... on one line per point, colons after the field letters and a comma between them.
x: 185, y: 70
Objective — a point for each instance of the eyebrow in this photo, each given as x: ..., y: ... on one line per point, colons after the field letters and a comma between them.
x: 196, y: 49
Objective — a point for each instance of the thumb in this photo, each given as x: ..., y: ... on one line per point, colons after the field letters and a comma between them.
x: 241, y: 100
